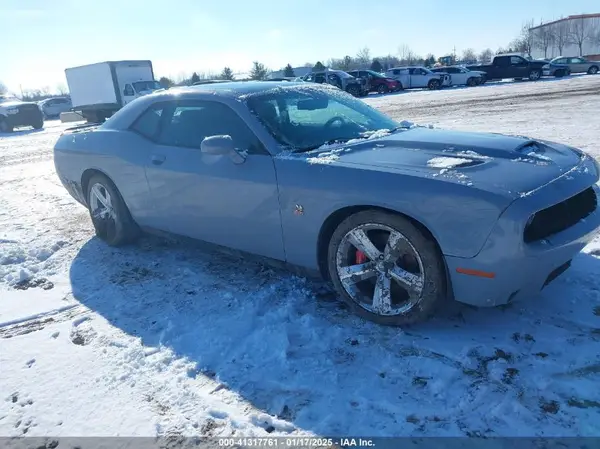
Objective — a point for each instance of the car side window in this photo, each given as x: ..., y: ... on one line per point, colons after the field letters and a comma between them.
x: 502, y: 61
x: 320, y: 78
x: 516, y: 60
x: 192, y: 121
x: 148, y: 123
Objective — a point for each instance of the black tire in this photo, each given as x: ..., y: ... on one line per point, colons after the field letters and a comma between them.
x: 559, y: 74
x: 434, y: 85
x: 400, y: 87
x: 471, y: 82
x: 434, y: 291
x: 5, y: 127
x: 354, y: 90
x: 38, y: 124
x: 117, y: 231
x: 535, y: 75
x: 593, y: 70
x: 382, y: 89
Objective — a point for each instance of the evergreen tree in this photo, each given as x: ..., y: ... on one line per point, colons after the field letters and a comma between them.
x: 258, y: 72
x: 226, y: 74
x: 376, y: 66
x: 319, y: 67
x: 195, y: 78
x: 288, y: 72
x: 165, y: 82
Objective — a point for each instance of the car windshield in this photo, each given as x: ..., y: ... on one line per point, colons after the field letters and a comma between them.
x: 140, y: 86
x: 305, y: 118
x: 7, y: 98
x: 375, y: 74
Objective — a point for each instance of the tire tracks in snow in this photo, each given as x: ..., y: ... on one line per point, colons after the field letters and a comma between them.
x: 37, y: 322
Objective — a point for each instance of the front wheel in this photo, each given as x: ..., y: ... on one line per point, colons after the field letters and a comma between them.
x: 593, y: 70
x: 382, y: 89
x: 111, y: 218
x: 434, y: 84
x: 471, y: 82
x: 386, y: 269
x: 535, y: 75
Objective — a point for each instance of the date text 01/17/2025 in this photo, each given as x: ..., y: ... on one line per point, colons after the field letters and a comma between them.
x: 295, y: 442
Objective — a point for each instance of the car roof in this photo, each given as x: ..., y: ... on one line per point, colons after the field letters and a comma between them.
x: 233, y: 89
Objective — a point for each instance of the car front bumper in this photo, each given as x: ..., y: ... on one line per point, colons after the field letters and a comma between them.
x: 507, y: 269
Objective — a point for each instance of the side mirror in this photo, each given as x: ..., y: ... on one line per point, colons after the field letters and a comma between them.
x: 221, y: 146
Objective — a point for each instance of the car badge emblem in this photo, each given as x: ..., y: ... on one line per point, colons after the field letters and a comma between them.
x: 298, y: 210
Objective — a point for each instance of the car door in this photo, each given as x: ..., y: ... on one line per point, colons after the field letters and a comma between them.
x: 502, y: 68
x: 520, y: 67
x: 578, y: 65
x: 459, y: 76
x: 417, y: 78
x: 212, y: 197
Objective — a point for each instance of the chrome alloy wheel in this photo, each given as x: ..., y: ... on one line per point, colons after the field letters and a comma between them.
x: 380, y: 269
x: 101, y: 205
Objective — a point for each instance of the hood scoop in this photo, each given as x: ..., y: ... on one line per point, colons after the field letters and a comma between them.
x: 532, y: 151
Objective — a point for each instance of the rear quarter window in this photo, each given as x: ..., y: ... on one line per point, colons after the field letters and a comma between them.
x: 148, y: 123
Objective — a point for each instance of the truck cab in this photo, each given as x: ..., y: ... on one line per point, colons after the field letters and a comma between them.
x: 137, y: 89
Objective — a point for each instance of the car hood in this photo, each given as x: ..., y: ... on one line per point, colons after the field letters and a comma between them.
x: 509, y: 165
x: 10, y: 104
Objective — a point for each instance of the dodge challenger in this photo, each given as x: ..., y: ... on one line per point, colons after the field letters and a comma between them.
x: 399, y: 218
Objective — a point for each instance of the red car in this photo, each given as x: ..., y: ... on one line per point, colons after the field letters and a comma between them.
x: 378, y: 82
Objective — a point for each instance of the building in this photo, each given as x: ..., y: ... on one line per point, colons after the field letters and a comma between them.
x: 298, y: 71
x: 565, y: 36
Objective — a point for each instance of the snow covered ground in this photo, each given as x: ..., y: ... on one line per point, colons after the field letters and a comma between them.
x: 165, y: 339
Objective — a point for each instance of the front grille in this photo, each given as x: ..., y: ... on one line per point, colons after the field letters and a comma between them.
x: 561, y: 216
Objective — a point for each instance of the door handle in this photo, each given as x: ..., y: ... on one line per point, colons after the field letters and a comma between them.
x: 157, y: 159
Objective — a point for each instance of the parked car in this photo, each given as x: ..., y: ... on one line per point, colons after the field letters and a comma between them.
x: 53, y: 107
x: 461, y: 76
x: 418, y: 77
x: 15, y: 112
x: 511, y: 66
x: 377, y: 82
x: 578, y: 65
x: 340, y: 79
x: 289, y: 172
x: 556, y: 70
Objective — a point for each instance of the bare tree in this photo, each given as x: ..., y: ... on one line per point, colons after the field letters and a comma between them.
x: 61, y: 89
x: 404, y: 52
x: 580, y: 32
x: 469, y: 55
x: 527, y: 36
x: 560, y: 34
x: 363, y: 57
x: 544, y: 39
x: 346, y: 63
x: 486, y: 55
x: 3, y: 89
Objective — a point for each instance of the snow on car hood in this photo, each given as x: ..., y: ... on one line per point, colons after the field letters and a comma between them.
x: 510, y: 164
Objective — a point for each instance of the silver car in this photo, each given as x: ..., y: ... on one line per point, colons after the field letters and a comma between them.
x: 578, y: 65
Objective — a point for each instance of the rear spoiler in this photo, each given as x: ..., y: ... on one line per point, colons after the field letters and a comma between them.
x: 83, y: 127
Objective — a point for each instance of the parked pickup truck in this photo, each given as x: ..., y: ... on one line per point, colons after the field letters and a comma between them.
x: 511, y: 66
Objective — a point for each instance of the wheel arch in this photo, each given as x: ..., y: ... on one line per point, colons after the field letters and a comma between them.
x: 87, y: 175
x: 335, y: 218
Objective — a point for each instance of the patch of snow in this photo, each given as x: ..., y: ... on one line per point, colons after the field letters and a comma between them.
x: 446, y: 162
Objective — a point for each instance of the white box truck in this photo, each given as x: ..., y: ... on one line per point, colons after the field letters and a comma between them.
x: 99, y: 90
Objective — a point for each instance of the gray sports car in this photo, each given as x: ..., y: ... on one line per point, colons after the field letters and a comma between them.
x: 399, y: 218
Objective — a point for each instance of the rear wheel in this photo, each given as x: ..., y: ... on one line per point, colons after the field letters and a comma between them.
x: 354, y: 90
x: 559, y: 73
x: 386, y: 269
x: 111, y: 218
x: 593, y: 70
x: 5, y: 127
x: 38, y: 124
